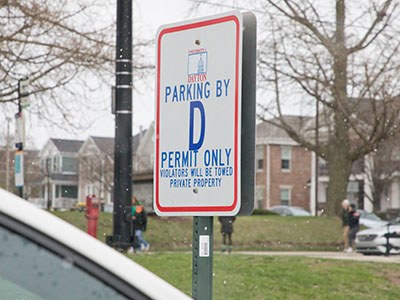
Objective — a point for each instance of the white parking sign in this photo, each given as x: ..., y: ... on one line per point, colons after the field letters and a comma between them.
x: 198, y: 117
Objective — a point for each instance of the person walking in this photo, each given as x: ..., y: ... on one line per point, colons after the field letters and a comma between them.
x: 354, y: 220
x: 139, y: 223
x: 226, y: 230
x: 345, y: 223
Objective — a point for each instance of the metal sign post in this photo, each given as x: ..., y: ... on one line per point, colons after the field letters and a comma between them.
x: 205, y: 128
x: 202, y: 265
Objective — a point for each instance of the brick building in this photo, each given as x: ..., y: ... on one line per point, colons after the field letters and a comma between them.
x: 284, y: 169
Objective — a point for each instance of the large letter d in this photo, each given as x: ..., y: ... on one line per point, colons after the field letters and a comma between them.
x: 199, y: 105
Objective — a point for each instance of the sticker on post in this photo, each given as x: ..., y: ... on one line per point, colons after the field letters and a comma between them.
x: 204, y: 246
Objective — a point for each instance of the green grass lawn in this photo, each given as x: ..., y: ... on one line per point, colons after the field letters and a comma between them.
x: 239, y: 276
x: 263, y: 277
x: 255, y: 233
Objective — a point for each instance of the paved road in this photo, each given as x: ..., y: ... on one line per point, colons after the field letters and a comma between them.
x: 331, y: 255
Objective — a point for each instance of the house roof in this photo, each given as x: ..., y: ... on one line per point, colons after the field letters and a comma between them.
x: 67, y: 145
x: 105, y: 144
x: 268, y: 130
x: 136, y: 140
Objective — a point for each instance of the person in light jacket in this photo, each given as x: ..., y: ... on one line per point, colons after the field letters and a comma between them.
x: 345, y: 223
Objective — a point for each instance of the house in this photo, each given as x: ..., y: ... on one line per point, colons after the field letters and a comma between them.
x: 285, y: 171
x: 283, y: 167
x: 143, y: 160
x: 96, y: 169
x: 59, y: 180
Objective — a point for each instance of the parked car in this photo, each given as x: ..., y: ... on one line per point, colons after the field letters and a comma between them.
x: 295, y: 211
x: 43, y: 257
x: 372, y: 241
x: 370, y: 220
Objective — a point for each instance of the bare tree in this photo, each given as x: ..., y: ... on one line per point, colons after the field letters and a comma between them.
x: 340, y: 55
x: 66, y: 48
x: 97, y: 169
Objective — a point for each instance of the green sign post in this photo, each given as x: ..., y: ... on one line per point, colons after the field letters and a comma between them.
x: 202, y: 265
x: 204, y: 150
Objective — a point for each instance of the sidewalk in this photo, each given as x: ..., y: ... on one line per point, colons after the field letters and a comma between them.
x: 329, y: 255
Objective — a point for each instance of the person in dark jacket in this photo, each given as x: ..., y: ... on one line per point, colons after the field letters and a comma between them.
x: 139, y: 223
x: 227, y: 230
x: 354, y: 223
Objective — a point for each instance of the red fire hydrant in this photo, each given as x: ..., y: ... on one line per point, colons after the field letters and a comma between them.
x: 92, y: 214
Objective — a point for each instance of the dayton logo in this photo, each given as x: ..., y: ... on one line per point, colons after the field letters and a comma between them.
x: 197, y: 65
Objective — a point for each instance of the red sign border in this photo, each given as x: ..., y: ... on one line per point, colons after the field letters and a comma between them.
x: 194, y: 209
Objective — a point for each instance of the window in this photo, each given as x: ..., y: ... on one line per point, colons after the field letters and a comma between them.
x: 260, y: 158
x: 58, y: 191
x: 48, y: 166
x: 286, y: 153
x: 70, y: 164
x: 285, y: 196
x: 260, y: 196
x: 353, y: 190
x: 55, y: 169
x: 69, y: 191
x: 30, y: 271
x: 89, y: 189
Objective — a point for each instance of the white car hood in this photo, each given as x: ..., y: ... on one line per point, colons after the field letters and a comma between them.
x: 65, y: 233
x: 372, y: 223
x: 380, y: 230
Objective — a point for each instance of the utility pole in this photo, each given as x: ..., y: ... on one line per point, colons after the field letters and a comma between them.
x: 8, y: 155
x: 122, y: 232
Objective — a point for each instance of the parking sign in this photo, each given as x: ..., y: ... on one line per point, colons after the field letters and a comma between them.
x: 198, y: 117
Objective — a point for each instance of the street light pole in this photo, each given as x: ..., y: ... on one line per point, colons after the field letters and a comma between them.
x: 122, y: 235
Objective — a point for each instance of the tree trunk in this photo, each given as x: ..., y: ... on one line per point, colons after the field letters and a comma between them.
x: 339, y: 167
x: 339, y: 163
x: 377, y: 191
